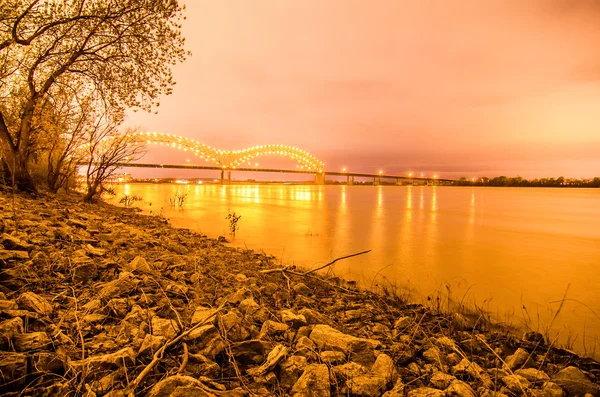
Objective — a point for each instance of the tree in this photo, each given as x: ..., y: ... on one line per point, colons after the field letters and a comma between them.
x: 105, y: 149
x: 122, y: 49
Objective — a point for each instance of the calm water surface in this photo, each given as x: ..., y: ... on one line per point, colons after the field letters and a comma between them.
x: 512, y: 251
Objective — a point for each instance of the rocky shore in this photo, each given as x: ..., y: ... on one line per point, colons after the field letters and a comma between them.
x: 97, y: 300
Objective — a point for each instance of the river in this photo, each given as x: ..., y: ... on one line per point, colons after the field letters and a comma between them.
x: 514, y: 252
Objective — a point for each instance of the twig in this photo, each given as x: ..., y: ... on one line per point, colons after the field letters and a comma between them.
x: 335, y: 260
x: 185, y: 359
x: 159, y: 353
x: 286, y: 269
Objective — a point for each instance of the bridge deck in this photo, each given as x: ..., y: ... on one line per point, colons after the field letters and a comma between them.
x: 208, y: 167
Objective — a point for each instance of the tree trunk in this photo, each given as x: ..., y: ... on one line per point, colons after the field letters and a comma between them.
x: 16, y: 164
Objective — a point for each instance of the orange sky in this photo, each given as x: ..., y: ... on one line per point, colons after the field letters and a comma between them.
x: 456, y: 87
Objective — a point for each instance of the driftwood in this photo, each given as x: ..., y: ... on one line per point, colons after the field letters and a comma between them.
x: 287, y: 269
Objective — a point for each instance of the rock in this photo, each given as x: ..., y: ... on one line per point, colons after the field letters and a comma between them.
x: 575, y: 382
x: 120, y: 358
x: 385, y: 368
x: 441, y: 380
x: 516, y: 384
x: 330, y: 357
x: 150, y: 345
x: 14, y: 243
x: 203, y: 314
x: 103, y: 385
x: 534, y: 337
x: 466, y: 367
x: 402, y: 323
x: 232, y: 327
x: 13, y: 254
x: 357, y: 349
x: 32, y: 341
x: 380, y: 330
x: 273, y: 329
x: 35, y: 303
x: 13, y: 366
x: 312, y: 317
x: 165, y: 327
x: 305, y: 343
x: 248, y: 306
x: 93, y: 251
x: 446, y: 344
x: 9, y: 329
x: 350, y: 316
x: 314, y: 382
x: 414, y: 368
x: 85, y: 272
x: 302, y: 289
x: 461, y: 322
x: 179, y: 386
x: 550, y: 389
x: 426, y: 392
x: 124, y: 285
x: 519, y: 359
x: 291, y: 319
x: 290, y: 370
x: 273, y: 358
x: 366, y: 386
x: 533, y: 375
x: 8, y: 305
x: 205, y: 340
x: 46, y: 362
x: 137, y: 315
x: 139, y: 264
x: 120, y: 307
x: 199, y: 365
x: 483, y: 392
x: 434, y: 356
x: 239, y: 296
x: 250, y: 351
x: 348, y: 370
x: 458, y: 388
x: 397, y: 390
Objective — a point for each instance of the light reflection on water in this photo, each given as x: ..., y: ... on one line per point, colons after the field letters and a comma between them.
x: 504, y: 248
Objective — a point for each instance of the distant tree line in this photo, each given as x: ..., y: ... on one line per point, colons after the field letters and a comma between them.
x: 517, y: 181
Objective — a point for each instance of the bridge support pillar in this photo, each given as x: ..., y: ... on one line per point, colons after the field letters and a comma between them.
x: 225, y: 181
x: 320, y: 179
x: 376, y: 181
x: 350, y: 180
x: 399, y: 182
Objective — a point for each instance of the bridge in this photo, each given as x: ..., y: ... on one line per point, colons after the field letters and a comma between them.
x: 227, y: 161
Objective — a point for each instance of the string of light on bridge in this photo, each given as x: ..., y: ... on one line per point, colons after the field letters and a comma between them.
x: 232, y: 159
x: 228, y: 159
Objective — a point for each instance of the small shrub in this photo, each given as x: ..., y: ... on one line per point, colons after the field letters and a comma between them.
x: 233, y: 222
x: 129, y: 200
x: 178, y: 197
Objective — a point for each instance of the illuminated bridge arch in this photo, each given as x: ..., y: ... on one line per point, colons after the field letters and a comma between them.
x: 226, y: 158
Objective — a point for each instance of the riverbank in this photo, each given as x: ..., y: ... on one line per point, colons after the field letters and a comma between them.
x: 99, y: 300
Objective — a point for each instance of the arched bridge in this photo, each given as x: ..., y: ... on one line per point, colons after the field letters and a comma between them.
x: 227, y: 159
